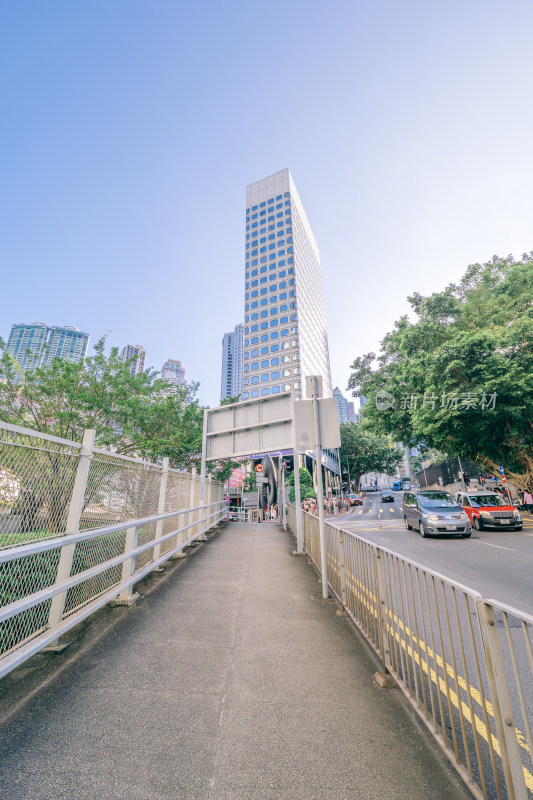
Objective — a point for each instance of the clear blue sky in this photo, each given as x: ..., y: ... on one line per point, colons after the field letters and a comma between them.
x: 131, y: 129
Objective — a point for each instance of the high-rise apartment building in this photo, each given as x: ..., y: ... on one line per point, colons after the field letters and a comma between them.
x: 173, y: 371
x: 37, y: 344
x: 352, y: 416
x: 26, y: 344
x: 65, y: 342
x: 137, y: 352
x: 285, y: 336
x: 342, y: 405
x: 231, y: 381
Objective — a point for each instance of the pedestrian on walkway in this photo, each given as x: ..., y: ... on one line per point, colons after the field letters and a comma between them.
x: 528, y: 501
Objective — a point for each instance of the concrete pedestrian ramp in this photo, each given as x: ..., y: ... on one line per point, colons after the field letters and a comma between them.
x: 233, y: 680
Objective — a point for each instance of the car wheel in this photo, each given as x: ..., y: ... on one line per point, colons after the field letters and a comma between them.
x: 477, y: 524
x: 407, y: 524
x: 422, y: 530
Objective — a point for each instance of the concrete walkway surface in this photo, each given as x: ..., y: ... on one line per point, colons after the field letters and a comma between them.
x: 233, y: 680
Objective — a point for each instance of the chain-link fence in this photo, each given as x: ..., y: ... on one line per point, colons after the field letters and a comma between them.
x: 50, y: 488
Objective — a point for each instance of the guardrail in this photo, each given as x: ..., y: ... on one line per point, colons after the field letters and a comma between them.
x: 79, y: 526
x: 82, y: 572
x: 465, y: 663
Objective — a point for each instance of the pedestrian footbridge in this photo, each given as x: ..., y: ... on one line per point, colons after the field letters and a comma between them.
x: 233, y: 678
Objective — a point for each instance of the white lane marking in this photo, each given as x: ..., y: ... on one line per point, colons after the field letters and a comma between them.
x: 499, y: 546
x: 528, y: 534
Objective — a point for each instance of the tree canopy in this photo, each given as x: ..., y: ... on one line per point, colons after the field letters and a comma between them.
x: 139, y: 414
x: 460, y: 377
x: 362, y: 450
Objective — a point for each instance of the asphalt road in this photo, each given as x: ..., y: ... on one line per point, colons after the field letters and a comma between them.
x: 497, y: 564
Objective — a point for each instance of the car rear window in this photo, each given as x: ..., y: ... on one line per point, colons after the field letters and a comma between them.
x: 487, y: 500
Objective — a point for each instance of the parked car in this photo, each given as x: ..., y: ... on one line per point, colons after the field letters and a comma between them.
x: 354, y: 499
x: 489, y: 510
x: 434, y: 513
x: 386, y: 496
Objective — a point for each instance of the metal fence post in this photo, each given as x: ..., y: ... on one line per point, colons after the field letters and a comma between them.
x: 342, y: 571
x: 73, y: 523
x: 383, y: 612
x: 210, y: 523
x: 192, y: 500
x: 501, y: 701
x: 127, y: 597
x: 161, y: 507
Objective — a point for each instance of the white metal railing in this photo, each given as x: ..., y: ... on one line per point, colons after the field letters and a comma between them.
x: 80, y: 525
x: 465, y: 663
x: 112, y: 577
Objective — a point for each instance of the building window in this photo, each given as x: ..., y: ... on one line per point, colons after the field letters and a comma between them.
x: 275, y: 390
x: 264, y: 301
x: 286, y: 387
x: 275, y: 375
x: 255, y: 379
x: 264, y: 337
x: 255, y: 393
x: 274, y: 335
x: 285, y: 332
x: 273, y: 323
x: 264, y: 350
x: 283, y: 296
x: 273, y: 299
x: 255, y: 365
x: 264, y: 325
x: 274, y: 348
x: 245, y: 395
x: 254, y: 329
x: 263, y: 314
x: 255, y: 353
x: 284, y: 320
x: 254, y: 316
x: 275, y: 361
x: 246, y: 381
x: 253, y: 340
x: 264, y: 363
x: 265, y: 390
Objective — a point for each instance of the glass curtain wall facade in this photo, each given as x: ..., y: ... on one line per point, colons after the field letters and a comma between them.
x: 285, y: 336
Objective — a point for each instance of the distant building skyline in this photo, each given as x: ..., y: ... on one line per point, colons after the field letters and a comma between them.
x: 342, y: 405
x: 36, y: 344
x: 174, y: 371
x: 231, y: 378
x: 136, y: 351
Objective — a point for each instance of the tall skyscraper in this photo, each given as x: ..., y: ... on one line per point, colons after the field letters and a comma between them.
x: 342, y: 405
x: 285, y: 336
x: 136, y: 351
x: 37, y: 344
x: 173, y: 371
x: 352, y: 416
x: 231, y: 382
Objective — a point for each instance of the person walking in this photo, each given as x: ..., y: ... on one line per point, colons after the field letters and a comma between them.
x: 528, y: 501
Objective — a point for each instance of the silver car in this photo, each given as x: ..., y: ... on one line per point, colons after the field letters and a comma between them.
x: 434, y: 513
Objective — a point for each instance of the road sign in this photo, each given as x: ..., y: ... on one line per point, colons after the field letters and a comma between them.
x: 260, y: 480
x: 502, y: 471
x: 504, y: 479
x: 330, y: 436
x: 259, y: 468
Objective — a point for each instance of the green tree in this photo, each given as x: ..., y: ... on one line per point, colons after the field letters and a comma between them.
x: 137, y: 415
x: 364, y: 451
x: 306, y: 485
x: 461, y: 373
